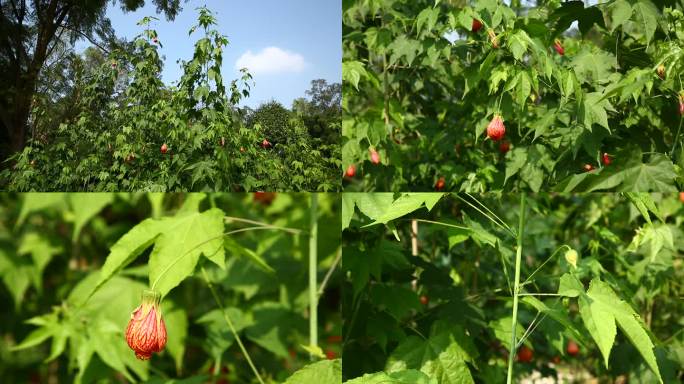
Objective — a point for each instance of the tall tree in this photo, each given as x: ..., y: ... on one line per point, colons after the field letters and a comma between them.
x: 30, y: 32
x: 322, y: 114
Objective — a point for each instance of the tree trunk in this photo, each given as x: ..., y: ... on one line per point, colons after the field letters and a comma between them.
x: 25, y: 83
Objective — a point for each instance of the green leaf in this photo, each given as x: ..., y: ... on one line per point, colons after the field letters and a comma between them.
x: 41, y: 251
x: 658, y: 176
x: 232, y: 246
x: 179, y: 247
x: 36, y: 337
x: 515, y: 160
x: 474, y: 230
x: 128, y: 247
x: 348, y: 204
x: 34, y: 202
x: 570, y: 286
x: 600, y: 308
x: 646, y: 16
x: 85, y: 206
x: 442, y: 356
x: 273, y: 325
x: 398, y: 301
x: 219, y: 337
x: 404, y: 47
x: 594, y: 110
x: 593, y: 66
x: 176, y: 320
x: 643, y: 202
x: 621, y: 11
x: 632, y: 326
x: 321, y: 372
x: 409, y: 376
x: 599, y: 322
x: 352, y: 72
x: 407, y: 203
x: 62, y: 332
x: 553, y: 310
x: 656, y: 237
x: 523, y: 89
x: 427, y: 18
x: 518, y: 44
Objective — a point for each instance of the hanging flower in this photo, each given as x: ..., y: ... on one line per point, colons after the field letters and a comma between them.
x: 146, y: 332
x: 496, y: 128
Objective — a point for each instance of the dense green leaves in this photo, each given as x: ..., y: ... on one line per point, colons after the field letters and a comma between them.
x: 429, y: 294
x: 419, y: 83
x: 122, y: 113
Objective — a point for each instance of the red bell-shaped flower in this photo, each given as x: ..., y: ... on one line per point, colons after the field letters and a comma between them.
x: 146, y: 332
x: 496, y: 128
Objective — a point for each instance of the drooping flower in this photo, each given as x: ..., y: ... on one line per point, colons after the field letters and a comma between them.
x: 374, y: 156
x: 558, y: 47
x: 146, y: 331
x: 496, y: 129
x: 493, y: 38
x: 477, y: 24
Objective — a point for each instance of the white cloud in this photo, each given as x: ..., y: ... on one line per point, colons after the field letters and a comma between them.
x: 271, y: 60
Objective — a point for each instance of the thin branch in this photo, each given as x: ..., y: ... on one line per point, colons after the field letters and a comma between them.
x: 328, y: 275
x: 230, y: 325
x: 293, y: 231
x: 95, y: 43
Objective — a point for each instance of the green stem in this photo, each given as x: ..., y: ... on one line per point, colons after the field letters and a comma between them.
x: 674, y: 145
x: 328, y: 275
x: 501, y: 224
x: 516, y: 288
x: 293, y: 231
x: 313, y: 292
x: 230, y: 325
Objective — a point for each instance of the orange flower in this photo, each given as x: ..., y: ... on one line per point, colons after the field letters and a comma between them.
x: 146, y: 332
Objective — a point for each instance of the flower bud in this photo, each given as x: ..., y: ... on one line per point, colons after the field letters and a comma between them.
x: 146, y: 332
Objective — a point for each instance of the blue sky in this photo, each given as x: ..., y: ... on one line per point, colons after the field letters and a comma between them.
x: 287, y: 43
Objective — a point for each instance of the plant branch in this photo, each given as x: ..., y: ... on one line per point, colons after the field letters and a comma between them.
x: 516, y: 289
x: 328, y: 275
x: 293, y: 231
x: 230, y: 325
x: 313, y: 263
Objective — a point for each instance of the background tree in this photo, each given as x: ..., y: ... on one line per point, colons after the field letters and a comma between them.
x: 32, y: 32
x: 274, y: 119
x: 323, y: 111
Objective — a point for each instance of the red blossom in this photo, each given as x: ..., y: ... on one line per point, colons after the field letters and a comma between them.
x: 606, y: 159
x: 146, y: 331
x: 374, y: 156
x: 351, y: 171
x: 496, y: 128
x: 558, y: 47
x: 439, y: 185
x: 477, y: 24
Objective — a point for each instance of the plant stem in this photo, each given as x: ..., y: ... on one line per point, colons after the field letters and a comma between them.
x: 516, y: 288
x: 313, y: 293
x: 674, y: 145
x: 328, y: 275
x: 293, y: 231
x: 230, y: 325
